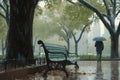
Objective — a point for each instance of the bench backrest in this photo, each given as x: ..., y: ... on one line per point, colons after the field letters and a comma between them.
x: 54, y: 51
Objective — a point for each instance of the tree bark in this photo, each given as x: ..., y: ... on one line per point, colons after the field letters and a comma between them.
x: 68, y: 44
x: 76, y: 48
x: 19, y: 38
x: 114, y: 46
x: 76, y: 44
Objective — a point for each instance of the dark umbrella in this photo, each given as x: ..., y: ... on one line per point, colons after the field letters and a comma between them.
x: 99, y: 39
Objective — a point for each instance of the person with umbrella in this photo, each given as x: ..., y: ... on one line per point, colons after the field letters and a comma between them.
x: 99, y: 46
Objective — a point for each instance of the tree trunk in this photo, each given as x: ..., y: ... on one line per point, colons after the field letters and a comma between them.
x: 3, y: 46
x: 19, y: 39
x: 76, y: 48
x: 68, y: 44
x: 114, y: 46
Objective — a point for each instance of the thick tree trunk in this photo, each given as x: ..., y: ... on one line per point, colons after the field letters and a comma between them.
x: 19, y: 39
x: 114, y: 46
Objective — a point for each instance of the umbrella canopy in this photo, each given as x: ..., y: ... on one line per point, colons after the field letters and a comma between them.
x: 99, y: 39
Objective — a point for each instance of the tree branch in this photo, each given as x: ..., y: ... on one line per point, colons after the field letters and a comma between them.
x: 2, y: 15
x: 2, y: 7
x: 65, y: 30
x: 71, y: 1
x: 114, y: 7
x: 74, y: 37
x: 106, y: 7
x: 98, y: 14
x: 5, y: 2
x: 90, y: 7
x: 112, y: 1
x: 82, y: 32
x: 118, y: 30
x: 117, y: 13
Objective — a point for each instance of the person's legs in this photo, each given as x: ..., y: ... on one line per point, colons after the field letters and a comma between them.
x: 99, y: 55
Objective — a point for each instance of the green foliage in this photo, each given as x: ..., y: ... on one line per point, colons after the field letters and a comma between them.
x: 46, y: 24
x: 52, y: 4
x: 97, y: 4
x: 45, y: 28
x: 38, y: 10
x: 3, y: 28
x: 75, y: 16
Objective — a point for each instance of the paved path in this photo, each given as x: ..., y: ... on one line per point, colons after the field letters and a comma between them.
x: 88, y: 70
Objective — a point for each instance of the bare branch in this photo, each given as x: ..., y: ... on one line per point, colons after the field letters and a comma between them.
x: 107, y: 8
x: 82, y: 32
x: 71, y: 1
x: 2, y: 15
x: 112, y: 1
x: 74, y: 36
x: 118, y: 30
x: 2, y: 7
x: 98, y: 14
x: 117, y: 13
x: 5, y: 2
x: 114, y: 7
x: 90, y: 7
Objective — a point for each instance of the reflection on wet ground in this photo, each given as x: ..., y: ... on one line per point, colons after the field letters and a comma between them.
x: 88, y: 70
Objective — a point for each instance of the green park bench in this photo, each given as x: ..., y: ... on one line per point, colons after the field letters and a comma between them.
x: 57, y: 57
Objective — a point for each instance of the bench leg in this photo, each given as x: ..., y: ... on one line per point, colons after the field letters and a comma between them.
x: 72, y: 63
x: 45, y: 73
x: 66, y: 72
x: 76, y: 65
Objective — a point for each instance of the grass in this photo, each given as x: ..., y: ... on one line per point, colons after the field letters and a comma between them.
x: 89, y: 56
x: 39, y: 56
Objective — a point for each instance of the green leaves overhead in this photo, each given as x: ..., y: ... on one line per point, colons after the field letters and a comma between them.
x: 38, y: 10
x: 75, y: 16
x: 51, y: 4
x: 3, y: 28
x: 97, y: 4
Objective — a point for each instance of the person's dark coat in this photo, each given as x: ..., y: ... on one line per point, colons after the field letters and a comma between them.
x: 99, y: 46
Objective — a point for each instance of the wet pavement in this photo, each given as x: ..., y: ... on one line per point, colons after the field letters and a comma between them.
x: 88, y: 70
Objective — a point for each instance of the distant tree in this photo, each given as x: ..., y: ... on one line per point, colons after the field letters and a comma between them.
x: 74, y: 18
x: 47, y: 18
x: 108, y: 18
x: 5, y: 13
x: 3, y: 33
x: 65, y: 34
